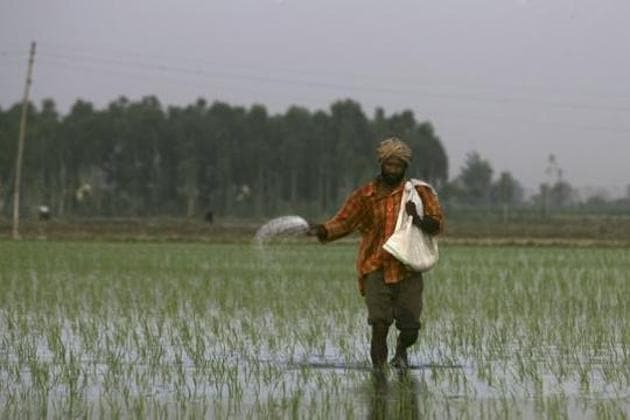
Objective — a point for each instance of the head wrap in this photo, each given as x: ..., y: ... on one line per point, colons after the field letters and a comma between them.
x: 393, y: 147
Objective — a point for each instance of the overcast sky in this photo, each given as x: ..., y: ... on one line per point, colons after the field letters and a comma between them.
x: 515, y: 80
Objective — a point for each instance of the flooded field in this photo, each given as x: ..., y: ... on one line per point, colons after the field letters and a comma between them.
x: 238, y: 331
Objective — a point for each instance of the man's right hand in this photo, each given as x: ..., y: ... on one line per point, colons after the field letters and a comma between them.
x: 316, y: 230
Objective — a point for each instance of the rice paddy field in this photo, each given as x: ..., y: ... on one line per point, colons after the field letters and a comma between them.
x: 192, y: 330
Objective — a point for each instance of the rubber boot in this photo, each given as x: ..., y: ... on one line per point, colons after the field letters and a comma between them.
x: 405, y: 339
x: 378, y: 346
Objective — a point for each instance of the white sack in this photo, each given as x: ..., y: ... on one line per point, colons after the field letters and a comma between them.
x: 409, y: 244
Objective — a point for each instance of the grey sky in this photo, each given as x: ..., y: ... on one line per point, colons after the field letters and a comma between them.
x: 514, y: 80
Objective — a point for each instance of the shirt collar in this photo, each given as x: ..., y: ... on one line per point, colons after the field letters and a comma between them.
x: 371, y: 188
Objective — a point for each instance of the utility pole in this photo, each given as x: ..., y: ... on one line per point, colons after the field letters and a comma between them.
x: 20, y: 151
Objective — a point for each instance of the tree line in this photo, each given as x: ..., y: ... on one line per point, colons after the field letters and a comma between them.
x: 140, y: 158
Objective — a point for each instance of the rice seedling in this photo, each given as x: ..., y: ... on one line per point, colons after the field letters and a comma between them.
x: 196, y: 330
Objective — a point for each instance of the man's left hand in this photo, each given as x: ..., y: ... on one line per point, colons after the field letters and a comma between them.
x: 410, y: 208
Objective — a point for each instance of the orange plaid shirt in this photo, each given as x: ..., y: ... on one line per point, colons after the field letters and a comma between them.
x: 374, y: 216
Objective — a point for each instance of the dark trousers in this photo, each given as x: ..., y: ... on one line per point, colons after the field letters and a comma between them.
x: 400, y: 302
x: 386, y: 303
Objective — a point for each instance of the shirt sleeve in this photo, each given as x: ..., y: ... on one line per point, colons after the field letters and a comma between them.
x: 431, y: 205
x: 348, y: 219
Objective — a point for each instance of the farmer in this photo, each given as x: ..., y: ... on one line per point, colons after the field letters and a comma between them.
x: 392, y: 292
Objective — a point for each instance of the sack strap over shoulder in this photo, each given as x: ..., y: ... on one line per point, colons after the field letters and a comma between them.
x: 420, y: 183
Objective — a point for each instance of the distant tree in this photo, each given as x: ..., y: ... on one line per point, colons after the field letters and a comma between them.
x: 352, y: 139
x: 322, y: 162
x: 541, y: 199
x: 562, y: 195
x: 430, y: 161
x: 556, y: 193
x: 9, y: 127
x: 259, y: 153
x: 380, y: 124
x: 596, y: 201
x: 74, y: 154
x: 402, y: 124
x: 224, y: 136
x: 476, y: 180
x: 558, y: 196
x: 43, y: 140
x: 295, y: 138
x: 135, y: 158
x: 507, y: 192
x: 187, y: 127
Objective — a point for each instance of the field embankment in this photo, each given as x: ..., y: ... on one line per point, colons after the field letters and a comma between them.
x: 567, y: 230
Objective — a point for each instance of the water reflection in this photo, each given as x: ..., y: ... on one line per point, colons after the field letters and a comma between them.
x: 393, y: 395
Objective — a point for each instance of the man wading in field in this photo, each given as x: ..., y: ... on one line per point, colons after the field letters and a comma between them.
x: 392, y: 292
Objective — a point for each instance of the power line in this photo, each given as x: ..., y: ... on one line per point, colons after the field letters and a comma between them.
x: 13, y: 52
x: 93, y: 68
x: 527, y: 121
x: 94, y: 63
x: 8, y: 57
x: 201, y: 72
x: 496, y: 117
x: 81, y: 50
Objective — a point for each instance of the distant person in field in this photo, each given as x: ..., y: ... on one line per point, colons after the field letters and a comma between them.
x: 392, y: 292
x: 44, y: 213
